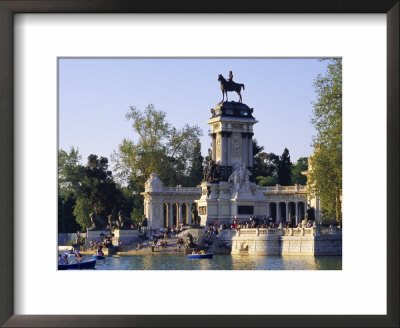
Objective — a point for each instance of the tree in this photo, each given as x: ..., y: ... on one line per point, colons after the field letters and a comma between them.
x: 99, y: 188
x: 325, y: 177
x: 196, y: 167
x: 264, y: 163
x: 82, y: 210
x: 283, y: 168
x: 70, y: 172
x: 266, y: 181
x: 300, y: 166
x: 70, y: 175
x: 170, y: 152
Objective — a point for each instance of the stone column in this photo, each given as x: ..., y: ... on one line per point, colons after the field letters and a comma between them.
x: 189, y: 213
x: 250, y: 148
x: 287, y: 212
x: 304, y: 209
x: 223, y: 150
x: 228, y: 148
x: 297, y: 213
x: 214, y: 150
x: 180, y: 213
x: 245, y: 156
x: 146, y: 213
x: 278, y: 213
x: 268, y: 210
x: 170, y: 215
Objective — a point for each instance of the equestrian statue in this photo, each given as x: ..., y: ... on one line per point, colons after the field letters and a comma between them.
x: 229, y: 85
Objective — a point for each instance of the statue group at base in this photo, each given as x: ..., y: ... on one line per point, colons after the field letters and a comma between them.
x: 122, y: 223
x: 97, y: 224
x: 241, y: 179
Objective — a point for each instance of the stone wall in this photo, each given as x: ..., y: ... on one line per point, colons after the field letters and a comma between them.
x: 286, y: 242
x: 64, y: 238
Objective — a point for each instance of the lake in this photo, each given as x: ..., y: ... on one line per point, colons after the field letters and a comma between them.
x: 219, y: 262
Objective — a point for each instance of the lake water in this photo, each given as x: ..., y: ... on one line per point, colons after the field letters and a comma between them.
x: 219, y: 262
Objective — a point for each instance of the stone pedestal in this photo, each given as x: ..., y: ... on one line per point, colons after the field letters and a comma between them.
x: 233, y: 194
x: 128, y: 237
x: 218, y: 203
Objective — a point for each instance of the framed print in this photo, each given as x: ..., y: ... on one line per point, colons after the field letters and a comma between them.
x: 62, y: 58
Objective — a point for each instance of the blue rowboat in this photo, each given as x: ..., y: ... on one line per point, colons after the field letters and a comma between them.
x: 200, y: 256
x: 78, y: 265
x: 98, y: 257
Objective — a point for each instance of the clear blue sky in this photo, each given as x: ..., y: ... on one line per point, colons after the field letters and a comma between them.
x: 95, y: 94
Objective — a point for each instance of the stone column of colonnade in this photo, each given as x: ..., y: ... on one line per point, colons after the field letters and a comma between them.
x: 180, y: 213
x: 170, y: 215
x: 287, y: 212
x: 268, y: 210
x: 189, y: 213
x: 297, y: 213
x: 278, y: 212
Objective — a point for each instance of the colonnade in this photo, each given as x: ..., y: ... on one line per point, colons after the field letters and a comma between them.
x: 180, y: 210
x: 299, y: 213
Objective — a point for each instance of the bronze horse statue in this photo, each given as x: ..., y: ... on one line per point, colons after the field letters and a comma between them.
x: 230, y: 86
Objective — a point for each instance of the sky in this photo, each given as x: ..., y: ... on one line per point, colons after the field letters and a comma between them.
x: 95, y: 94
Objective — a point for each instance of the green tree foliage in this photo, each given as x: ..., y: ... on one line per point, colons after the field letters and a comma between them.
x: 266, y: 181
x: 86, y: 189
x: 196, y: 166
x: 174, y: 154
x: 70, y: 175
x: 264, y: 164
x: 82, y: 210
x: 283, y: 168
x: 325, y: 178
x: 99, y: 188
x: 300, y: 166
x: 70, y: 172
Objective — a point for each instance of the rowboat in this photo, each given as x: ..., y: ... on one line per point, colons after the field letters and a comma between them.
x: 200, y: 256
x: 90, y: 264
x: 69, y: 254
x: 98, y: 257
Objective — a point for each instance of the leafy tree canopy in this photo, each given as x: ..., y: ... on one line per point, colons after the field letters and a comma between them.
x: 300, y: 166
x: 325, y: 178
x: 174, y: 154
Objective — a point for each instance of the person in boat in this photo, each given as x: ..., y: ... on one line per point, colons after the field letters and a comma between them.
x: 100, y: 251
x: 78, y: 255
x: 61, y: 260
x: 66, y: 259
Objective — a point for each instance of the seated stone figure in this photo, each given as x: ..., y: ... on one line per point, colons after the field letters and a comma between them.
x: 97, y: 224
x: 125, y: 223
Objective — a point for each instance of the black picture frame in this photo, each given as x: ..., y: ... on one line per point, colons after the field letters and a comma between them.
x: 10, y: 7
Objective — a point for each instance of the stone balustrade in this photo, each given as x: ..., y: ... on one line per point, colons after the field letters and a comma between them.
x: 284, y: 189
x: 288, y: 241
x: 313, y: 231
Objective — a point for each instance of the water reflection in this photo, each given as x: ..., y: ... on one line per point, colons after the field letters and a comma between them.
x: 220, y: 262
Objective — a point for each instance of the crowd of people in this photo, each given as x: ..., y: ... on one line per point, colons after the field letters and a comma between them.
x: 106, y: 241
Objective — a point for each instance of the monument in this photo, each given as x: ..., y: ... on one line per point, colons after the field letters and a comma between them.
x: 228, y: 188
